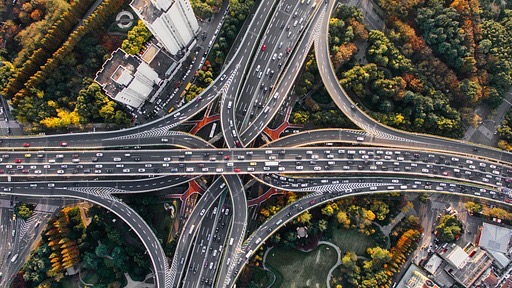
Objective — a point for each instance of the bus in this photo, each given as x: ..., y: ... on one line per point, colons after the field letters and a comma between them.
x: 248, y: 255
x: 186, y: 90
x: 271, y: 163
x: 214, y: 125
x: 14, y: 258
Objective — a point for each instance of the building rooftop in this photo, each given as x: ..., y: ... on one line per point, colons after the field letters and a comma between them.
x: 454, y: 255
x: 117, y: 72
x: 433, y: 264
x: 495, y: 238
x: 415, y: 278
x: 477, y: 262
x: 491, y: 280
x: 158, y: 59
x: 147, y: 9
x: 500, y: 259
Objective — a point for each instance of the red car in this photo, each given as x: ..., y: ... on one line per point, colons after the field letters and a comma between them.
x: 237, y: 170
x: 26, y: 144
x: 63, y: 144
x: 18, y: 160
x: 263, y: 47
x: 226, y: 157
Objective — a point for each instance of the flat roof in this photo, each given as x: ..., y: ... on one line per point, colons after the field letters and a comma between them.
x: 147, y: 9
x: 114, y: 74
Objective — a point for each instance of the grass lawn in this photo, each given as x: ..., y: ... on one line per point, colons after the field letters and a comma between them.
x: 262, y: 277
x: 300, y: 269
x: 163, y: 221
x: 351, y: 240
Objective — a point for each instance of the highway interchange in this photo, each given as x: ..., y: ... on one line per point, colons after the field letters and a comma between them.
x: 213, y: 245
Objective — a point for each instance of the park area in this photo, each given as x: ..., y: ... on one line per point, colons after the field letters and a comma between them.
x: 294, y: 268
x: 352, y: 240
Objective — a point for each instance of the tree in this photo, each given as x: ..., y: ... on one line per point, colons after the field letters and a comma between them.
x: 343, y: 219
x: 448, y: 228
x: 300, y: 117
x: 305, y: 217
x: 473, y: 207
x: 23, y: 210
x: 329, y: 209
x: 323, y: 225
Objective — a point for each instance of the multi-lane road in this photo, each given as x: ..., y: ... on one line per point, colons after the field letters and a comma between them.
x: 252, y: 87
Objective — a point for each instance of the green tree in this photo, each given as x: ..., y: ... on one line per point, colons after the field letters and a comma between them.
x: 448, y: 228
x: 473, y: 207
x: 24, y: 210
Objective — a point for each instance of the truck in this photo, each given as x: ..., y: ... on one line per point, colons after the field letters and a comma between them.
x: 272, y: 163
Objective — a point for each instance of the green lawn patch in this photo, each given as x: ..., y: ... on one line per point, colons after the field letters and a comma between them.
x: 262, y: 277
x: 351, y: 240
x: 300, y: 269
x: 163, y: 221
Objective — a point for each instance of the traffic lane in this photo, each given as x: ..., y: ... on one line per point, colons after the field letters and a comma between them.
x: 261, y: 121
x: 240, y: 220
x: 190, y: 228
x: 264, y: 60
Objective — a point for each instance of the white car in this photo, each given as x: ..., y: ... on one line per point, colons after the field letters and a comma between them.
x: 60, y: 171
x: 167, y: 159
x: 126, y: 170
x: 141, y: 170
x: 37, y: 171
x: 299, y: 167
x: 99, y: 154
x: 317, y: 168
x: 424, y: 170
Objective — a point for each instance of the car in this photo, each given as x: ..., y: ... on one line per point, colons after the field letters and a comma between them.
x: 60, y: 171
x: 126, y: 170
x: 167, y: 159
x: 18, y: 160
x: 226, y: 157
x: 141, y: 170
x: 63, y: 144
x: 237, y: 170
x: 274, y: 56
x: 26, y: 144
x: 223, y: 77
x: 263, y: 47
x: 317, y: 168
x: 164, y: 140
x: 101, y: 155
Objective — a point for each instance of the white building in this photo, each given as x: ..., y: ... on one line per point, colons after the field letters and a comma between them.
x: 127, y: 79
x: 496, y: 240
x: 172, y: 22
